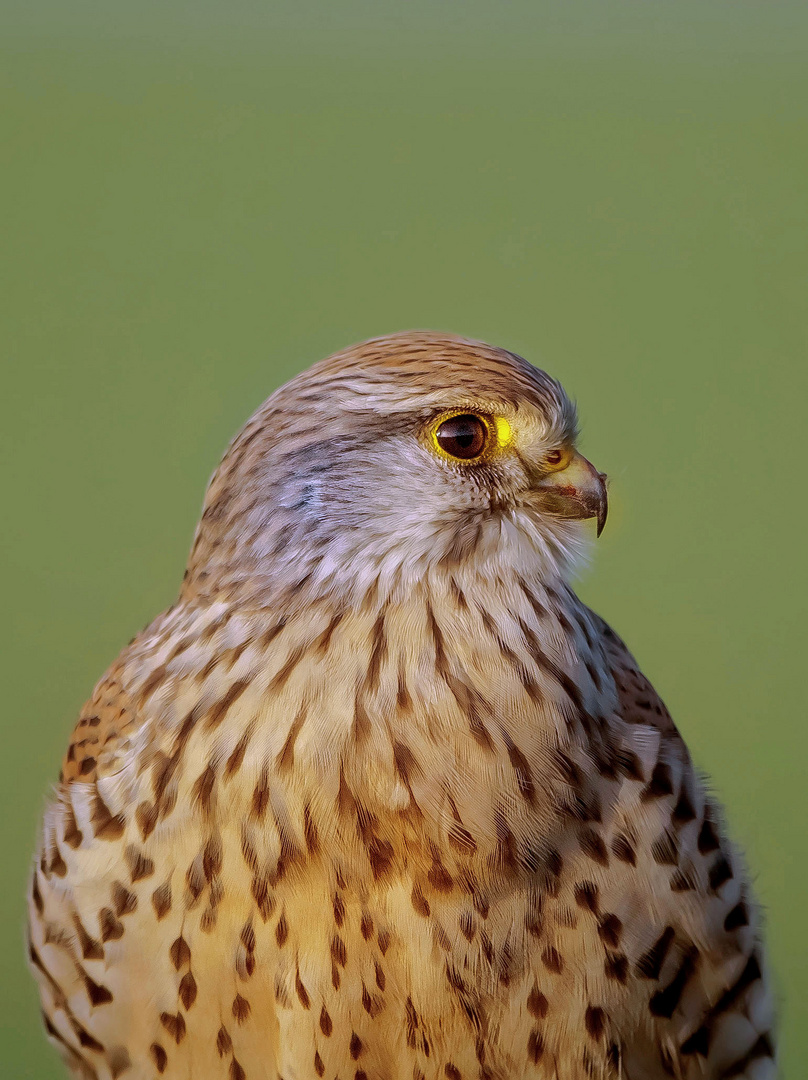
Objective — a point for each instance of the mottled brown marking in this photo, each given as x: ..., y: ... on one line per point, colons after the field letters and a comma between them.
x: 609, y: 930
x: 57, y: 864
x: 586, y: 896
x: 90, y: 948
x: 551, y: 958
x: 187, y: 990
x: 384, y: 941
x: 419, y: 901
x: 281, y: 931
x: 650, y: 963
x: 111, y: 926
x: 240, y: 1009
x: 439, y: 877
x: 147, y: 815
x: 751, y: 973
x: 180, y: 953
x: 159, y: 1057
x: 85, y: 1038
x: 355, y: 1046
x: 300, y: 990
x: 521, y: 768
x: 506, y: 857
x: 319, y: 1067
x: 326, y: 1024
x: 623, y: 849
x: 212, y: 857
x: 683, y: 881
x: 195, y: 880
x: 708, y: 838
x: 378, y: 652
x: 665, y: 851
x: 339, y: 953
x: 106, y: 825
x: 371, y: 1004
x: 452, y: 1072
x: 380, y: 854
x: 202, y: 791
x: 260, y: 796
x: 698, y: 1043
x: 467, y: 926
x: 124, y: 901
x: 593, y: 847
x: 286, y: 757
x: 616, y: 967
x: 224, y: 1044
x: 738, y: 917
x: 595, y: 1021
x: 174, y: 1025
x: 98, y: 995
x: 220, y: 707
x: 339, y: 909
x: 535, y: 1046
x: 366, y: 926
x: 660, y: 784
x: 237, y: 1071
x: 139, y: 865
x: 684, y: 811
x: 719, y: 874
x: 236, y: 759
x: 36, y: 895
x: 664, y: 1002
x: 72, y: 835
x: 161, y: 900
x: 537, y: 1004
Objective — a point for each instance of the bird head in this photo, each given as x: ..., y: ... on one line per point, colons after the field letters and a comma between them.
x: 403, y: 456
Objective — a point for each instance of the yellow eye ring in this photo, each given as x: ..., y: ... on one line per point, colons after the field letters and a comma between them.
x: 469, y: 437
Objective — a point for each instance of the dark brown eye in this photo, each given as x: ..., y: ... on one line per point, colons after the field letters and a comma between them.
x: 463, y: 437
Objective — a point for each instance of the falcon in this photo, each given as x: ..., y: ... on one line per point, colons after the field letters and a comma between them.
x: 379, y: 798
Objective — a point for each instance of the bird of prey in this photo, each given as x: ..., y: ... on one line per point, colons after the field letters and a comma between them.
x: 379, y: 798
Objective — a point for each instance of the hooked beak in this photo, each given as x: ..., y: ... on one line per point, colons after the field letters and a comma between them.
x: 577, y: 490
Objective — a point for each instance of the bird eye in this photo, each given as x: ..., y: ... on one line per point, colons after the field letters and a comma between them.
x: 463, y: 437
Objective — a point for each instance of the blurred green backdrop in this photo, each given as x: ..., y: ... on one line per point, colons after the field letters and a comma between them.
x: 199, y: 199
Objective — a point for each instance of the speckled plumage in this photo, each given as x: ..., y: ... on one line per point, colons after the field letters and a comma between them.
x: 379, y: 798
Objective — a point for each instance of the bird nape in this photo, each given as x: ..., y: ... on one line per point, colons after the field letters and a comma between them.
x: 379, y: 798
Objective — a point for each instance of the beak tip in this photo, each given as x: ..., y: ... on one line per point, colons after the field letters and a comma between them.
x: 603, y: 509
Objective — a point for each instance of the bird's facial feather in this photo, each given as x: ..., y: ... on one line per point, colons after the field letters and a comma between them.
x: 395, y: 459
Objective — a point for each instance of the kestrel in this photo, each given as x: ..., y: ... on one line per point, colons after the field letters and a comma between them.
x: 379, y: 798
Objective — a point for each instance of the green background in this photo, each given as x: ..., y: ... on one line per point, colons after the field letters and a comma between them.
x: 198, y: 200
